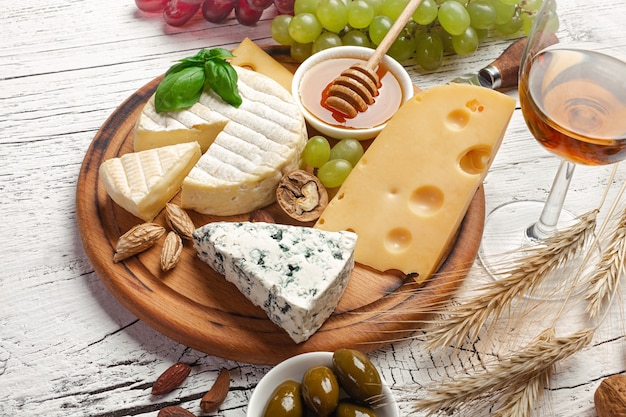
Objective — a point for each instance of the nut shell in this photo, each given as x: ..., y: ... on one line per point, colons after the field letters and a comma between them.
x: 301, y: 196
x: 610, y: 397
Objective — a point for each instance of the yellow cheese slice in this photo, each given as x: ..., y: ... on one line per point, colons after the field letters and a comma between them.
x: 411, y: 189
x: 143, y: 182
x: 249, y: 54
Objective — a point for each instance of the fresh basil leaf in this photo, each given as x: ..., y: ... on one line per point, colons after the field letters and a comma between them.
x: 222, y: 78
x: 220, y: 53
x: 182, y: 64
x: 179, y: 90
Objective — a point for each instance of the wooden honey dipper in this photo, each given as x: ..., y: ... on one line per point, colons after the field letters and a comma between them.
x: 356, y: 87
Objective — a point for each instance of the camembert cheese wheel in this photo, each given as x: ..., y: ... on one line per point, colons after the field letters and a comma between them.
x: 408, y: 194
x: 262, y: 141
x: 143, y: 182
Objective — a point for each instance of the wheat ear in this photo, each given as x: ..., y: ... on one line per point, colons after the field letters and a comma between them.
x: 510, y: 373
x: 463, y: 321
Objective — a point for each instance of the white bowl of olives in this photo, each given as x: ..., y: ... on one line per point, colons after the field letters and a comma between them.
x: 340, y: 383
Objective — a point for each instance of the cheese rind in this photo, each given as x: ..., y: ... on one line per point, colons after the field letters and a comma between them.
x: 297, y: 275
x: 196, y: 124
x: 263, y: 140
x: 143, y: 182
x: 408, y: 194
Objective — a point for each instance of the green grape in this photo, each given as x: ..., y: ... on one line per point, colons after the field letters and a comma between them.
x: 446, y: 39
x: 453, y: 17
x: 504, y: 12
x: 510, y: 2
x: 360, y: 14
x: 349, y: 149
x: 514, y: 25
x: 333, y: 15
x: 393, y: 8
x: 428, y: 51
x: 279, y: 28
x: 426, y: 12
x: 376, y: 5
x: 402, y: 48
x: 482, y: 14
x: 304, y: 28
x: 316, y: 152
x: 300, y: 51
x: 305, y: 6
x: 466, y: 43
x: 527, y: 23
x: 334, y: 172
x: 355, y: 37
x: 379, y: 27
x: 482, y: 34
x: 326, y: 40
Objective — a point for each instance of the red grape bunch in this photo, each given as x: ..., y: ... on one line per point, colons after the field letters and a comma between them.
x: 247, y: 12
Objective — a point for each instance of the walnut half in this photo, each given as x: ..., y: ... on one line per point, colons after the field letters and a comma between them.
x: 301, y: 195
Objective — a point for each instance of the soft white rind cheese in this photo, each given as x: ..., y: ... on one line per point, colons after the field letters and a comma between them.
x: 297, y: 275
x: 143, y: 182
x: 263, y: 141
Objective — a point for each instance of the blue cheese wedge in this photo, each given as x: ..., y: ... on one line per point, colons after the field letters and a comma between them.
x: 296, y: 274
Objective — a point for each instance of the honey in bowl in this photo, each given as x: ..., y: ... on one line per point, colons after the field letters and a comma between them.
x: 314, y: 87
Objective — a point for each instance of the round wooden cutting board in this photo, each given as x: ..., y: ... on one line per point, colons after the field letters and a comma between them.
x: 197, y: 307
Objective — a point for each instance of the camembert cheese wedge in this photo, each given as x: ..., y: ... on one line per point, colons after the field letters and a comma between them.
x: 262, y: 141
x: 143, y: 182
x: 408, y: 194
x: 297, y: 275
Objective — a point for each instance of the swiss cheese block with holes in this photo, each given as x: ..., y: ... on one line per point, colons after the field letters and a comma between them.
x: 407, y: 196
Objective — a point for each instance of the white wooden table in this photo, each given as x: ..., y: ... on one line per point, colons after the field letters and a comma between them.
x: 67, y: 346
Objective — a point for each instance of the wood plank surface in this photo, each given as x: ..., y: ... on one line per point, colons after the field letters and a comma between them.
x: 68, y: 347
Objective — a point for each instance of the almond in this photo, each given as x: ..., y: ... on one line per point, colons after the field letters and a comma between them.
x: 171, y: 251
x: 137, y: 239
x: 171, y: 378
x: 175, y: 411
x: 214, y: 397
x: 179, y: 221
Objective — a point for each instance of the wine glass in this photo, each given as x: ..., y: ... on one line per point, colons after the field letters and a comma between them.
x: 573, y: 99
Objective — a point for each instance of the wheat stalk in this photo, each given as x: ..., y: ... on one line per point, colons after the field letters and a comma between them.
x: 506, y: 376
x: 605, y: 280
x: 464, y: 321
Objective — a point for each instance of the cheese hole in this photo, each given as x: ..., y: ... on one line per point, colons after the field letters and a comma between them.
x: 475, y: 160
x: 475, y: 105
x: 457, y: 119
x: 426, y: 200
x: 398, y: 240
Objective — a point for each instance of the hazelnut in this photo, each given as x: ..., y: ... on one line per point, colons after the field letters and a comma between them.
x: 610, y: 397
x: 301, y: 195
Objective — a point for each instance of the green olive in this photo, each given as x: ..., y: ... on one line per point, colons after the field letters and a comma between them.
x: 347, y: 408
x: 286, y: 401
x: 357, y: 375
x: 320, y: 390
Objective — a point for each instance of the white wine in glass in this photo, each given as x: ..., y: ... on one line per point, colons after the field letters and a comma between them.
x: 573, y: 99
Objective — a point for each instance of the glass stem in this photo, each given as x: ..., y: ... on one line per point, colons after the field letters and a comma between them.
x: 546, y: 224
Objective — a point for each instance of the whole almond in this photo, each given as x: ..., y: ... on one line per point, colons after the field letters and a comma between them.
x: 171, y: 378
x: 171, y: 251
x: 137, y: 239
x: 175, y: 411
x: 214, y: 397
x: 179, y: 221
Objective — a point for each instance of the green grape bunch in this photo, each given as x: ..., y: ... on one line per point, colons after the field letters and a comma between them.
x: 437, y: 27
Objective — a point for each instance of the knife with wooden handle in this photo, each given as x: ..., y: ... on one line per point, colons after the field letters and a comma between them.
x: 504, y: 71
